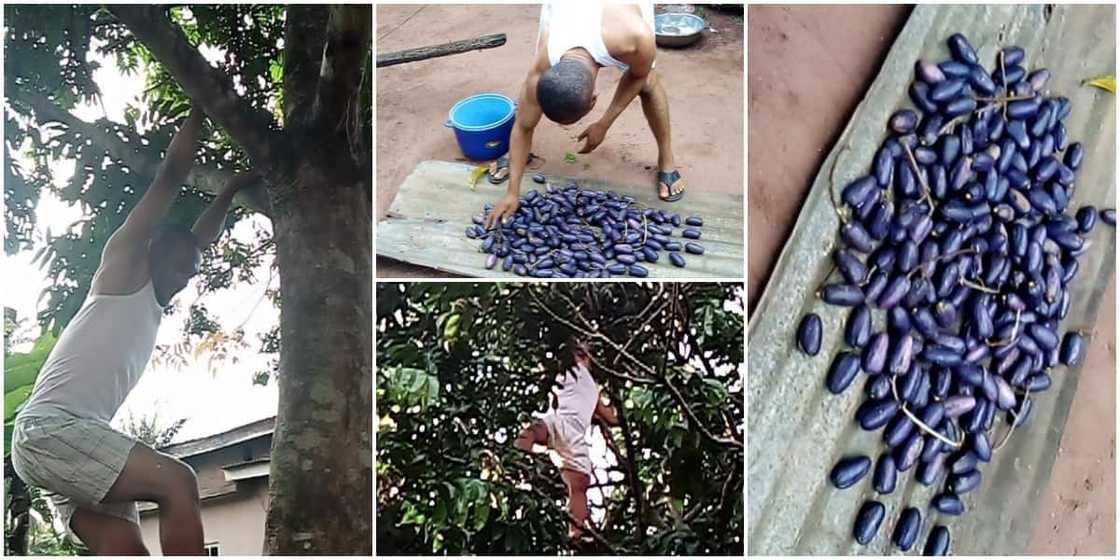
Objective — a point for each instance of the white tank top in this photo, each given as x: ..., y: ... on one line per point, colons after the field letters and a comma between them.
x: 580, y: 24
x: 577, y: 395
x: 99, y: 357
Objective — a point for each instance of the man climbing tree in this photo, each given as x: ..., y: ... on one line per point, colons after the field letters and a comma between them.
x: 62, y: 440
x: 563, y: 429
x: 290, y: 88
x: 464, y: 369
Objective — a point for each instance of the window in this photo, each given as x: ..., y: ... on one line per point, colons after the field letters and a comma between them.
x: 212, y: 549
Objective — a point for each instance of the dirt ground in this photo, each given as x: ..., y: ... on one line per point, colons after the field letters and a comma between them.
x: 808, y: 67
x: 704, y: 84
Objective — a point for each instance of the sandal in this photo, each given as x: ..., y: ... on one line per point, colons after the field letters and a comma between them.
x: 669, y: 179
x: 499, y: 168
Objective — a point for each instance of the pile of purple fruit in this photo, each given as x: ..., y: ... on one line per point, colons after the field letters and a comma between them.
x: 569, y: 232
x: 963, y: 236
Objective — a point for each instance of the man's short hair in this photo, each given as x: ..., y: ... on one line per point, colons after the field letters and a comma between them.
x: 565, y: 91
x: 577, y: 346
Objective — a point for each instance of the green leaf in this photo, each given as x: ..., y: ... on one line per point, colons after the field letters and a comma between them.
x: 14, y: 400
x: 9, y: 427
x: 412, y: 516
x: 451, y: 327
x: 481, y: 513
x: 440, y: 515
x: 22, y: 368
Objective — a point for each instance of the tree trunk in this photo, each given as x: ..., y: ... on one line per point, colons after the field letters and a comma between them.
x: 319, y: 169
x: 321, y: 485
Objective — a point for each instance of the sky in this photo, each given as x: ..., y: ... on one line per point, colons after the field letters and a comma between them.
x: 213, y: 396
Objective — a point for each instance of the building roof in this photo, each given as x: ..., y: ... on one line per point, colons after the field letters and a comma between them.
x: 227, y: 438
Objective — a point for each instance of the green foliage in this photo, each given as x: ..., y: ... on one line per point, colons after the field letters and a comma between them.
x: 152, y: 431
x: 462, y: 368
x: 48, y: 542
x: 20, y: 372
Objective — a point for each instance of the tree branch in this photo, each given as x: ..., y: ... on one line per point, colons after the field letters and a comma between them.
x: 592, y: 334
x: 696, y: 510
x: 620, y: 375
x: 208, y: 87
x: 632, y: 471
x: 695, y: 420
x: 207, y: 179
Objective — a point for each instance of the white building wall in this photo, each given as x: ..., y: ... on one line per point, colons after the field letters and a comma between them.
x: 235, y: 523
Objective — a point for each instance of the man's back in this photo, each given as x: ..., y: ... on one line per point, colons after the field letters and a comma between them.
x: 608, y: 31
x: 99, y: 357
x: 577, y: 395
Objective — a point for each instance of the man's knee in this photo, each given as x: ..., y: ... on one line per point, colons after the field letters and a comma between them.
x: 181, y: 481
x: 653, y: 81
x: 577, y: 481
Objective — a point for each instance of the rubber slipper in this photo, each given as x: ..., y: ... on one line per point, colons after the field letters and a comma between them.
x: 499, y: 169
x: 669, y: 179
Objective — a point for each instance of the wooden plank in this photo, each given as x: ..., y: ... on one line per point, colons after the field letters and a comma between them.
x: 426, y: 221
x: 797, y: 429
x: 445, y: 49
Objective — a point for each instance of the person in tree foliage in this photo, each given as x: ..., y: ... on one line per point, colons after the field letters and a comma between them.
x: 62, y: 441
x: 563, y: 429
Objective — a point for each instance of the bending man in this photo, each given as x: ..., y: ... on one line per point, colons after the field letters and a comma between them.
x: 575, y: 41
x: 62, y: 441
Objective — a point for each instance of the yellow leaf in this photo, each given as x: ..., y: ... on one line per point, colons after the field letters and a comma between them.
x: 476, y: 174
x: 1106, y: 82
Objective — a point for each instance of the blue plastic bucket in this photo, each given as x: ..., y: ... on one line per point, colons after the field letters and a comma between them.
x: 482, y: 125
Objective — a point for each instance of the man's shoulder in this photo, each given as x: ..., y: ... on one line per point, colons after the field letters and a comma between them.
x: 120, y: 272
x: 634, y: 42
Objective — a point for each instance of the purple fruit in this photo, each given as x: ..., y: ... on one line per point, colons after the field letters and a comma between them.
x: 849, y: 471
x: 868, y: 520
x: 907, y: 529
x: 809, y: 334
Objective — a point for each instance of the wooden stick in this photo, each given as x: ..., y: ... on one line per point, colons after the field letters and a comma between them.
x: 436, y: 51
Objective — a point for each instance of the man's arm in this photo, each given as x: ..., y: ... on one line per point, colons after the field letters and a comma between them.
x: 606, y: 413
x: 137, y: 228
x: 629, y: 86
x: 209, y: 225
x: 520, y: 142
x: 521, y: 138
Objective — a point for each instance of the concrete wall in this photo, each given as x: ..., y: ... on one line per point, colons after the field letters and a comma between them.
x: 235, y: 522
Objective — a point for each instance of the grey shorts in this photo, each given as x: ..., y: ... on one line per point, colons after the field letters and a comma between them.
x: 566, y: 438
x: 75, y: 461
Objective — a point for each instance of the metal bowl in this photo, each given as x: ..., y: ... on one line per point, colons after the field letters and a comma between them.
x: 678, y: 29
